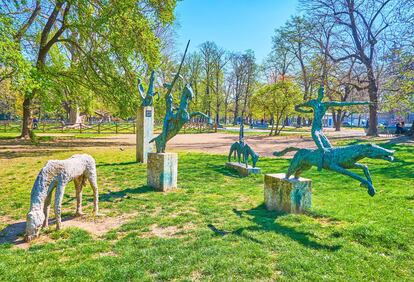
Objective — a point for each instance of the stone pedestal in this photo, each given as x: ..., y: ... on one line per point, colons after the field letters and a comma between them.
x: 242, y: 169
x: 162, y: 171
x: 144, y: 128
x: 288, y: 195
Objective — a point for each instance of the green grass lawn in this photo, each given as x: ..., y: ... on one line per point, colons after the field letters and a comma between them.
x: 221, y: 230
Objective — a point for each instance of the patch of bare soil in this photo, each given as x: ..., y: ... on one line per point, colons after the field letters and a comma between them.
x: 96, y: 226
x: 166, y: 232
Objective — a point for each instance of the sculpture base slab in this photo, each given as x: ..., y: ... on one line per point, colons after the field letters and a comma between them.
x: 288, y: 195
x: 162, y: 171
x: 242, y: 169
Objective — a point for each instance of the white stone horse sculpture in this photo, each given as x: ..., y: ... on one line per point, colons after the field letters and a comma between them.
x: 57, y: 174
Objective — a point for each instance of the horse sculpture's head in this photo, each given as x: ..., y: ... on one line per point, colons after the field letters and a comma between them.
x: 34, y: 222
x: 376, y: 152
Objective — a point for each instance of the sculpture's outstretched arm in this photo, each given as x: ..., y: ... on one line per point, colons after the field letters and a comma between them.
x: 299, y: 108
x: 193, y: 114
x: 343, y: 104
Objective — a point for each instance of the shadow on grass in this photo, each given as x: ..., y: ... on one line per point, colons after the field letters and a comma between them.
x: 224, y: 170
x: 116, y: 164
x: 123, y: 194
x: 13, y: 233
x: 30, y: 153
x: 266, y: 221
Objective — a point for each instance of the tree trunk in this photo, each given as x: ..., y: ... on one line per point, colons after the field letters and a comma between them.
x: 74, y: 114
x: 337, y: 119
x: 26, y: 122
x: 236, y: 112
x: 373, y: 108
x: 272, y: 122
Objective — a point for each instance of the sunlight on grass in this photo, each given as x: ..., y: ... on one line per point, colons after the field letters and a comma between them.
x: 215, y: 225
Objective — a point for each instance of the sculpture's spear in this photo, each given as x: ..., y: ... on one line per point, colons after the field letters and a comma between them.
x: 170, y: 86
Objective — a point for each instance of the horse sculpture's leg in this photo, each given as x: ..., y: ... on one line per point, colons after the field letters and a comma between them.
x: 366, y: 171
x: 337, y: 168
x: 78, y: 187
x: 231, y: 152
x: 94, y: 183
x: 301, y: 169
x: 60, y: 190
x: 246, y: 158
x: 293, y: 166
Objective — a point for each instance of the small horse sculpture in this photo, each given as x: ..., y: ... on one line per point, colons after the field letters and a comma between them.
x: 243, y: 150
x: 338, y: 159
x: 176, y: 118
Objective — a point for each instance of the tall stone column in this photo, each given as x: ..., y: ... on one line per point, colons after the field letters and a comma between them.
x: 144, y: 132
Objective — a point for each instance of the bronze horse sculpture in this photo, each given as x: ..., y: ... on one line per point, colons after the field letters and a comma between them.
x: 338, y: 159
x: 243, y: 150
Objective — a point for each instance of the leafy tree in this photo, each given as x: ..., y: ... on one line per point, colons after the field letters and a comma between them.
x: 112, y: 42
x: 278, y: 101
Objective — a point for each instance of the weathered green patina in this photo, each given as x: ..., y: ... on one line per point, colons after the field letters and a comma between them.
x: 148, y: 99
x: 241, y: 149
x: 175, y: 118
x: 319, y: 108
x: 325, y: 156
x: 338, y: 159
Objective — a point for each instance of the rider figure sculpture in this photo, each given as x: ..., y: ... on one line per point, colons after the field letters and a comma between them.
x: 319, y: 109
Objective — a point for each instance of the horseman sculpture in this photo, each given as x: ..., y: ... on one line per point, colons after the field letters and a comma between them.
x: 175, y: 118
x: 337, y: 159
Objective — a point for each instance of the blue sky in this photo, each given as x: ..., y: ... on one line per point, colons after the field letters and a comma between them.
x: 235, y: 25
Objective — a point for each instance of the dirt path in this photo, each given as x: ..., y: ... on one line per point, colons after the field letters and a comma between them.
x: 215, y: 143
x: 219, y: 143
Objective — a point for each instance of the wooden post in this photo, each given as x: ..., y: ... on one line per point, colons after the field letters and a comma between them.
x: 116, y: 128
x: 44, y: 123
x: 133, y: 127
x: 99, y: 128
x: 80, y: 128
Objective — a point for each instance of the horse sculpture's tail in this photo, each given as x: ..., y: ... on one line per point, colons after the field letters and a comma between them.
x: 285, y: 151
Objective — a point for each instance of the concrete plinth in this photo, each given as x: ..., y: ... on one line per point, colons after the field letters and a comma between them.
x: 162, y: 171
x: 288, y: 195
x: 144, y: 127
x: 242, y: 169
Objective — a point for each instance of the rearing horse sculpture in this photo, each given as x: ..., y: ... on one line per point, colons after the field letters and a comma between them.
x: 175, y: 118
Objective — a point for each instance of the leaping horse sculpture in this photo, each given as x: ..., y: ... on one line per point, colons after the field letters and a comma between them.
x: 337, y: 159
